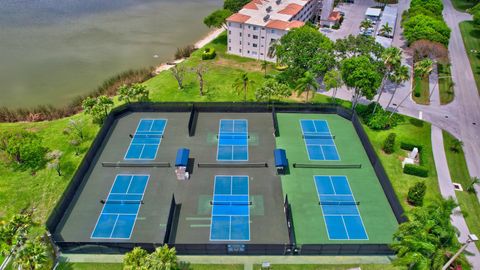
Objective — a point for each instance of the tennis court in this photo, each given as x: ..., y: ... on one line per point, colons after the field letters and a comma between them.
x: 233, y: 140
x: 230, y: 209
x: 339, y: 208
x: 120, y: 209
x: 318, y: 140
x: 146, y: 140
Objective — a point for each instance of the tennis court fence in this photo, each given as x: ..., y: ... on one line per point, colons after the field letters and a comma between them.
x: 137, y: 164
x: 326, y: 166
x: 69, y: 198
x: 192, y: 121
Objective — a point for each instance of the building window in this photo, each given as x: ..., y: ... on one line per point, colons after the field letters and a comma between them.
x: 249, y: 27
x: 240, y: 34
x: 254, y: 53
x: 263, y: 37
x: 248, y: 43
x: 273, y: 31
x: 272, y: 40
x: 263, y: 28
x: 254, y: 45
x: 240, y: 42
x: 254, y: 28
x: 240, y: 50
x: 261, y: 53
x: 248, y: 35
x: 229, y: 32
x: 229, y: 24
x: 248, y: 51
x: 229, y: 40
x: 255, y: 37
x: 229, y: 48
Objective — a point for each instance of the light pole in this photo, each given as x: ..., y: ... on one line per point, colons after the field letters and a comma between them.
x: 471, y: 238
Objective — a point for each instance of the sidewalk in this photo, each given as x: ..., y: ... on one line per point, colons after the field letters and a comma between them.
x: 447, y: 191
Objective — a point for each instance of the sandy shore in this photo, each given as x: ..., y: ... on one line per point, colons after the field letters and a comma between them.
x: 202, y: 42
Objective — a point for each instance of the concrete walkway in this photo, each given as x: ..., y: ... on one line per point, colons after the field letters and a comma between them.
x: 447, y: 191
x: 247, y: 261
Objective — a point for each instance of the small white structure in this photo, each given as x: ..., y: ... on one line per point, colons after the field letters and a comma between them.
x: 407, y: 161
x: 373, y: 13
x: 414, y: 153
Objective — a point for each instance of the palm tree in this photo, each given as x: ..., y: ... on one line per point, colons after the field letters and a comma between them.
x: 423, y: 67
x: 32, y: 256
x: 333, y: 80
x: 242, y: 83
x: 471, y: 185
x: 386, y: 30
x: 307, y: 83
x: 391, y: 58
x: 399, y: 75
x: 365, y: 24
x: 272, y: 50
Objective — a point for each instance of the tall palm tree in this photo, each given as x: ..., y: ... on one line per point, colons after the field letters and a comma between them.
x: 423, y: 67
x: 307, y: 83
x: 242, y: 83
x: 400, y: 75
x: 365, y: 24
x: 386, y: 30
x: 264, y: 66
x: 272, y: 50
x: 391, y: 57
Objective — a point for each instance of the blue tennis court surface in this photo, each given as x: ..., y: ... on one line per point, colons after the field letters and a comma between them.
x: 147, y: 139
x: 230, y: 211
x: 319, y: 141
x: 120, y: 209
x: 233, y: 140
x: 339, y: 208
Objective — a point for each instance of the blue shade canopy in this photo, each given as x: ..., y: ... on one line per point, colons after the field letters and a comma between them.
x: 280, y: 158
x: 182, y: 157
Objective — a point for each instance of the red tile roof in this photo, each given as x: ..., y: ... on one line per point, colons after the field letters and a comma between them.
x: 239, y: 18
x: 334, y: 16
x: 291, y: 9
x: 253, y: 4
x: 283, y: 25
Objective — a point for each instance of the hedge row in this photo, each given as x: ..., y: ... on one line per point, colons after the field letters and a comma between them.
x: 424, y: 20
x: 208, y: 53
x: 415, y: 170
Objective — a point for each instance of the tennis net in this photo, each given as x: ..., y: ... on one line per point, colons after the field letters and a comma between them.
x: 233, y: 165
x: 339, y: 202
x: 230, y: 203
x: 312, y: 136
x: 121, y: 201
x: 327, y: 166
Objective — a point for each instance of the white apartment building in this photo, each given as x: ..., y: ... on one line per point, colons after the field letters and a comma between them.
x: 260, y: 23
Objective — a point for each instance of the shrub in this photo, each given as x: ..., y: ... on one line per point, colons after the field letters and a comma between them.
x: 416, y: 194
x: 379, y: 121
x: 415, y: 170
x: 336, y: 26
x: 389, y: 143
x: 406, y: 145
x: 25, y: 149
x: 184, y: 52
x: 208, y: 53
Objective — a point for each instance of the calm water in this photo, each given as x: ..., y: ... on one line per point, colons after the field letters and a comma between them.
x: 54, y: 50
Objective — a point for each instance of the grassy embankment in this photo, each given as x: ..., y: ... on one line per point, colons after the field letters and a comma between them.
x: 421, y: 92
x: 445, y: 84
x: 471, y: 40
x: 459, y: 173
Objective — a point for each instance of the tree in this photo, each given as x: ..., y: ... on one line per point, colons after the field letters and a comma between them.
x: 416, y: 194
x: 425, y: 27
x: 399, y: 75
x: 105, y: 104
x: 13, y: 233
x: 272, y: 49
x: 24, y: 148
x: 98, y: 107
x: 135, y: 259
x: 54, y: 161
x: 456, y: 146
x: 362, y: 75
x: 360, y: 45
x: 217, y: 18
x: 423, y: 67
x: 33, y: 255
x: 75, y: 130
x: 428, y: 239
x: 242, y: 83
x: 476, y: 18
x: 333, y: 80
x: 306, y: 84
x: 135, y: 91
x: 264, y: 66
x: 365, y: 24
x: 471, y: 186
x: 429, y: 49
x: 391, y: 58
x: 234, y: 5
x: 305, y: 49
x: 386, y: 30
x: 163, y: 258
x: 272, y: 88
x: 178, y: 73
x: 200, y: 71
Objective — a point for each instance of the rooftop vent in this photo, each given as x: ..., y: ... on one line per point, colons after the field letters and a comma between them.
x: 269, y: 8
x: 278, y: 2
x: 266, y: 18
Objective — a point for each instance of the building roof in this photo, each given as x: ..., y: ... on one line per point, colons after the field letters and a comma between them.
x: 239, y: 18
x: 276, y: 14
x: 334, y: 16
x: 373, y: 12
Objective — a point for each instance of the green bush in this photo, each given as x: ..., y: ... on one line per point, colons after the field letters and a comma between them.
x: 416, y: 170
x: 208, y: 53
x: 416, y: 194
x: 389, y: 143
x: 336, y: 26
x: 406, y: 145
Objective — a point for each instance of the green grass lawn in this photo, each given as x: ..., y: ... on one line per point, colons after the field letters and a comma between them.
x: 462, y: 5
x: 328, y: 267
x: 118, y: 266
x: 410, y: 130
x: 471, y: 39
x: 421, y: 86
x: 459, y: 174
x: 445, y: 84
